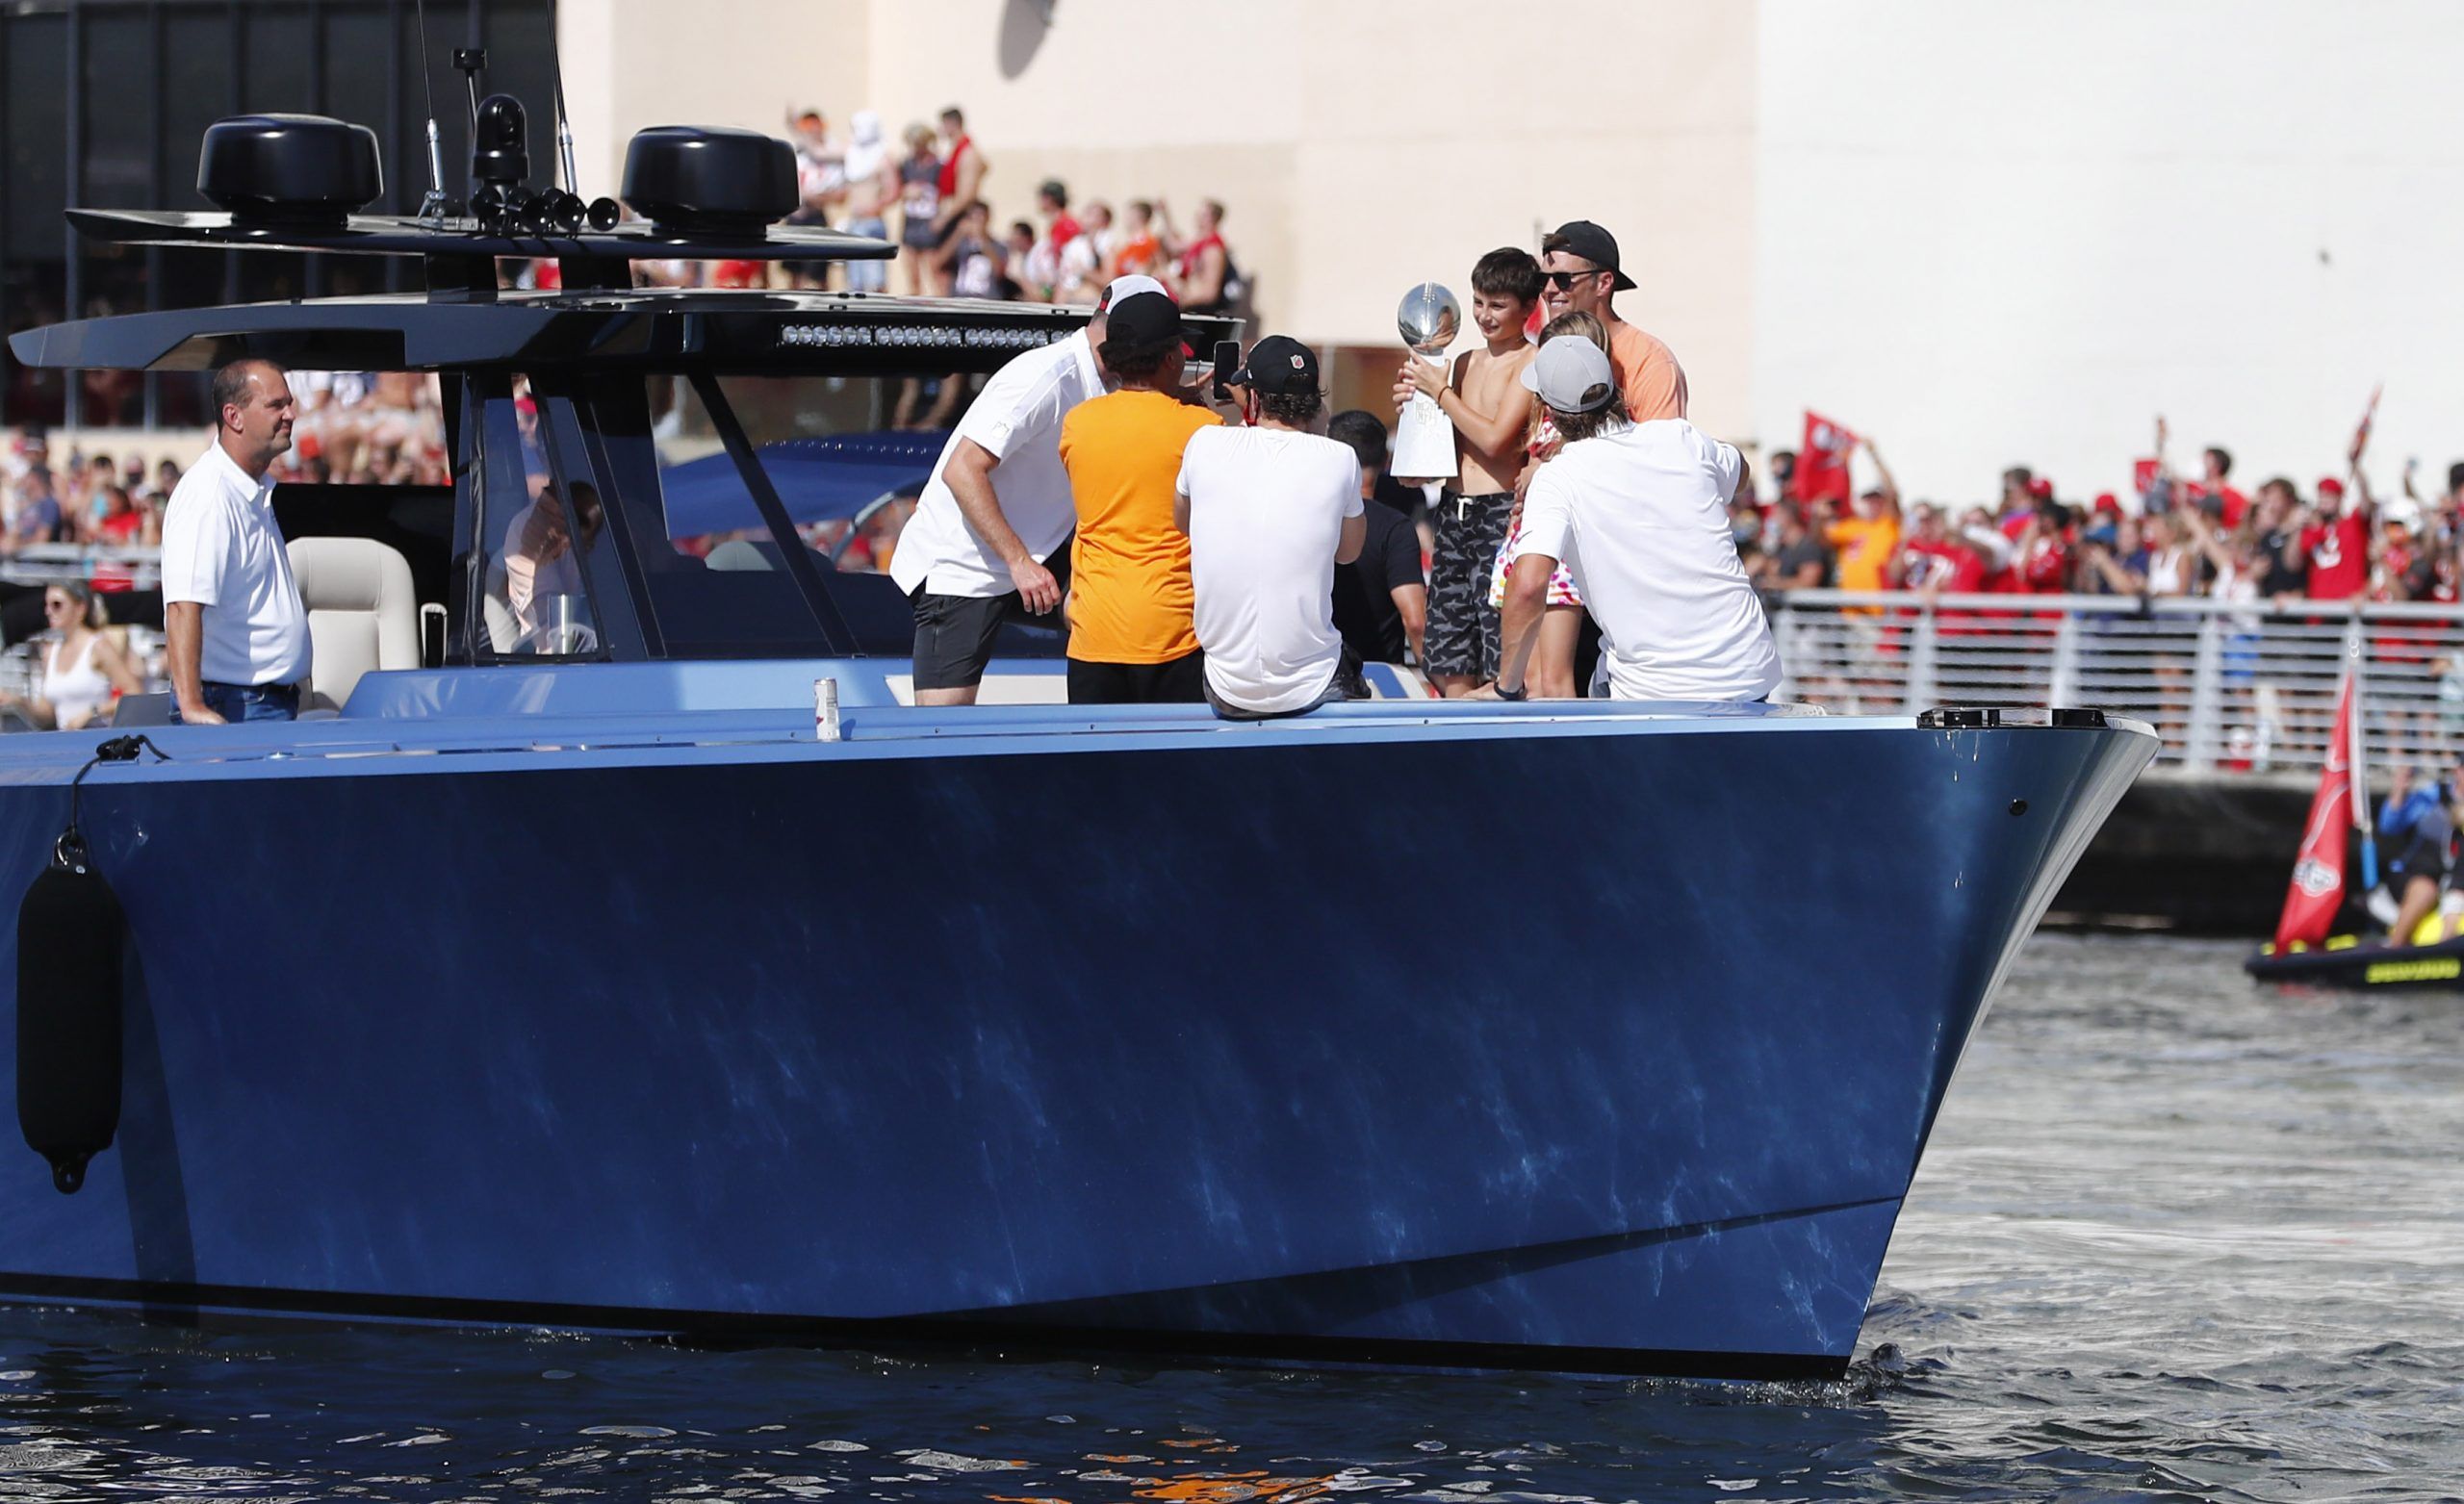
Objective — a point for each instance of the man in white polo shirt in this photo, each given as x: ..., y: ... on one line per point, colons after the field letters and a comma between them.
x: 1637, y: 512
x: 997, y: 506
x: 237, y: 632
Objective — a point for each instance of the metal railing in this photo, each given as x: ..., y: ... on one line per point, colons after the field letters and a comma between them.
x: 134, y: 566
x: 2229, y: 685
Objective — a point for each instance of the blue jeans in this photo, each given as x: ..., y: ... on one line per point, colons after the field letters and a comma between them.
x: 867, y: 276
x: 238, y: 702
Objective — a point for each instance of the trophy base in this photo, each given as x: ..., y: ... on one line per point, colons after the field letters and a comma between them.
x: 1423, y: 442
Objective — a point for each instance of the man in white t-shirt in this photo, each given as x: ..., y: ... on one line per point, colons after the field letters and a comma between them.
x: 235, y: 630
x: 1638, y: 515
x: 1270, y: 510
x: 996, y: 507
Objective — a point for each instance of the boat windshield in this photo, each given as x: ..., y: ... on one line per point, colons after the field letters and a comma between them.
x: 845, y: 457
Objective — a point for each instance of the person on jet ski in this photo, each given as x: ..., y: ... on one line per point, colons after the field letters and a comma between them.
x: 2416, y: 827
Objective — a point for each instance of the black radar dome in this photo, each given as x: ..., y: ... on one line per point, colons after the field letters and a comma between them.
x: 708, y: 179
x: 288, y: 168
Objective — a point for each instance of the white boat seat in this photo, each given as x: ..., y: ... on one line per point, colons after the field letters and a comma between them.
x: 362, y: 613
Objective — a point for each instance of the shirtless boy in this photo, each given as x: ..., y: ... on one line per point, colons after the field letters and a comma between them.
x: 1491, y: 410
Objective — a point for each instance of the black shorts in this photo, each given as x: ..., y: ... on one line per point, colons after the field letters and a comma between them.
x: 1462, y: 634
x: 1180, y: 682
x: 954, y: 634
x: 2424, y: 854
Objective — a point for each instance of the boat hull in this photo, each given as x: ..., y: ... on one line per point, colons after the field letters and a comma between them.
x: 1613, y: 1048
x: 2370, y: 968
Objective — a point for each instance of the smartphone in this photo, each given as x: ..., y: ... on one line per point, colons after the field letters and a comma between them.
x: 1227, y: 360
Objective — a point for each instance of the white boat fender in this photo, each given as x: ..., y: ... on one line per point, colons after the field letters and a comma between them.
x: 70, y: 930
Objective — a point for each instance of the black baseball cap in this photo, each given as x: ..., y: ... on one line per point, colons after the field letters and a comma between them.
x: 1278, y: 366
x: 1143, y: 319
x: 1593, y: 245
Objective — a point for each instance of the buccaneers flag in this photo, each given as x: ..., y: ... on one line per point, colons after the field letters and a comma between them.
x: 1822, y: 461
x: 2318, y: 888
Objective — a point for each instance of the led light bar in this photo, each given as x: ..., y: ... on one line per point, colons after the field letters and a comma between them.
x: 841, y: 336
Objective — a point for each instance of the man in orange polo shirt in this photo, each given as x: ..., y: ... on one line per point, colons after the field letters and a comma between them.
x: 1579, y: 265
x: 1131, y: 639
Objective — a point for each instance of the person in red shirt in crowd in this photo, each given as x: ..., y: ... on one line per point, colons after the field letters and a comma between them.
x: 1934, y: 562
x: 1991, y: 546
x: 1052, y: 201
x: 961, y: 188
x: 2335, y: 538
x: 2042, y: 554
x: 2231, y: 504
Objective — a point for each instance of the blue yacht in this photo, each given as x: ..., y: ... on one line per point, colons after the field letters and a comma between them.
x: 633, y: 956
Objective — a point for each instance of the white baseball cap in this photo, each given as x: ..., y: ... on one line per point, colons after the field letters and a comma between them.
x: 1572, y: 374
x: 1122, y: 286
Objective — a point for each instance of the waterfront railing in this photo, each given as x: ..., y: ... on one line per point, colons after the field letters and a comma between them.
x: 2230, y: 687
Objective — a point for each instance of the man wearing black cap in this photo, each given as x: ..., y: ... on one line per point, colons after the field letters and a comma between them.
x: 1131, y: 640
x: 1579, y: 265
x: 1270, y: 510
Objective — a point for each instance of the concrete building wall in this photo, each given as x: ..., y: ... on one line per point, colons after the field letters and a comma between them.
x: 2015, y: 232
x: 1981, y: 233
x: 1359, y: 147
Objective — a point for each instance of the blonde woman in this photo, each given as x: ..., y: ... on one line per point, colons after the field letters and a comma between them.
x: 919, y: 201
x: 82, y: 669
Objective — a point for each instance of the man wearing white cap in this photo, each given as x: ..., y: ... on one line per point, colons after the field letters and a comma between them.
x: 1637, y: 512
x: 996, y: 507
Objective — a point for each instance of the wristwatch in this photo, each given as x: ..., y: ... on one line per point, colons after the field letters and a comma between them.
x: 1512, y: 695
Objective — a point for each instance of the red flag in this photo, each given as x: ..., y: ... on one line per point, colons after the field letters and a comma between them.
x: 1822, y: 461
x: 2318, y: 887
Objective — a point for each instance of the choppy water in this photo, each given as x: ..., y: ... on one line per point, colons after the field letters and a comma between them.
x: 2177, y: 1238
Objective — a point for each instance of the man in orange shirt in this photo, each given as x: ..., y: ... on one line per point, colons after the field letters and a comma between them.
x: 1579, y: 263
x: 1132, y: 640
x: 1868, y: 542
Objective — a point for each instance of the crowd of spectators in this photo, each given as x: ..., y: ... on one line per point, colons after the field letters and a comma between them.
x: 89, y: 500
x: 2169, y: 535
x: 925, y: 193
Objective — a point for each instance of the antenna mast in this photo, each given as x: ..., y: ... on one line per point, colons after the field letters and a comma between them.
x: 435, y: 205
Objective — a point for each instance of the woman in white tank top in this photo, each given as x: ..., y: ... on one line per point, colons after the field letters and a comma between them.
x: 82, y: 669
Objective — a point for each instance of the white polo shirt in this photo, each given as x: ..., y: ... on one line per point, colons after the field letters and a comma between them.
x: 221, y: 550
x: 1266, y: 514
x: 1639, y: 517
x: 1017, y: 417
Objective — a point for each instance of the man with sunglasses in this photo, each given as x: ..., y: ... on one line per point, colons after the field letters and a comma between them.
x: 1578, y: 263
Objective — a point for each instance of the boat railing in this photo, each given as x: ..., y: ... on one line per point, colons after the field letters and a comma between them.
x: 2230, y: 687
x: 122, y: 566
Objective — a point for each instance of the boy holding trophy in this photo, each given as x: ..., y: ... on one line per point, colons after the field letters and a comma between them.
x: 1485, y: 399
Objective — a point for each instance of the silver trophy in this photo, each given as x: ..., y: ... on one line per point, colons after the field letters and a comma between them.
x: 1428, y: 319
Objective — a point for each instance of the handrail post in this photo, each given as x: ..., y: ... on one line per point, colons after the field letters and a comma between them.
x: 1920, y: 662
x: 2207, y: 686
x: 1792, y: 635
x: 2062, y: 684
x: 2357, y: 653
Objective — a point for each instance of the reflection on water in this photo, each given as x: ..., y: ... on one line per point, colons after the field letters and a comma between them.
x: 2175, y: 1239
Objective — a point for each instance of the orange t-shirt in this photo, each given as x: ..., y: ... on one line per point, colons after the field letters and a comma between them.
x: 1654, y: 383
x: 1129, y: 568
x: 1138, y: 253
x: 1865, y: 548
